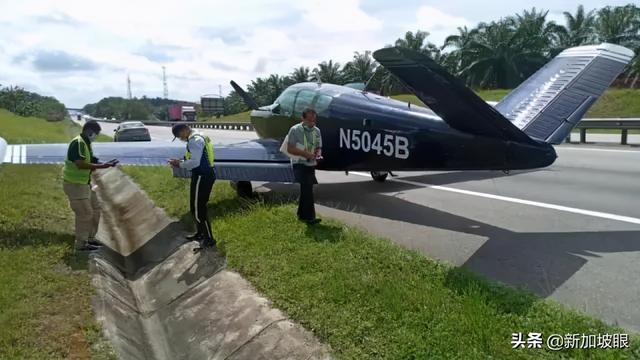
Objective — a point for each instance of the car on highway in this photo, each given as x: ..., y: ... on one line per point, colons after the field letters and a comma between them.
x: 131, y: 131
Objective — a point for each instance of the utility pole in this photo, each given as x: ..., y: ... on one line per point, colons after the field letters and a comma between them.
x: 220, y: 90
x: 128, y: 87
x: 164, y: 83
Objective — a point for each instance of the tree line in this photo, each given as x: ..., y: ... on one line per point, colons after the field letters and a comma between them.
x: 495, y: 55
x: 143, y: 108
x: 26, y: 103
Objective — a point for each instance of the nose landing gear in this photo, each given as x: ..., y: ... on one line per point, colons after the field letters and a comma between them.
x: 379, y: 176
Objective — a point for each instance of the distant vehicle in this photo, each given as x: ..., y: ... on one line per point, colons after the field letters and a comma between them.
x: 212, y: 104
x: 131, y: 131
x: 179, y: 112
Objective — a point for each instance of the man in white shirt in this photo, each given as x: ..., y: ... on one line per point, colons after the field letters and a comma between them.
x: 199, y: 159
x: 305, y: 141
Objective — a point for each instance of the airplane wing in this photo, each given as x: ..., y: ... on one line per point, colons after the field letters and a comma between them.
x: 255, y: 160
x: 456, y: 104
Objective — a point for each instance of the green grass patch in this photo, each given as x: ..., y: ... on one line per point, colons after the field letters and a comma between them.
x: 45, y: 310
x: 243, y: 117
x: 622, y: 103
x: 366, y: 297
x: 17, y: 129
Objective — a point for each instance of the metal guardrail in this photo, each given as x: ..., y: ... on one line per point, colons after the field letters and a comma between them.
x: 194, y: 124
x: 623, y: 124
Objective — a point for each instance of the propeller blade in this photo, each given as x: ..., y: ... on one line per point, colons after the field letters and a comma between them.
x: 246, y: 97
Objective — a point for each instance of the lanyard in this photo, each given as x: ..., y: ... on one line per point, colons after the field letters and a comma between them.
x: 313, y: 142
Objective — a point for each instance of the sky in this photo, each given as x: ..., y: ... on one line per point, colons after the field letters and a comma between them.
x: 81, y: 51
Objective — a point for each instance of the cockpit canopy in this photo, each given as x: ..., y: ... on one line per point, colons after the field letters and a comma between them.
x: 295, y: 99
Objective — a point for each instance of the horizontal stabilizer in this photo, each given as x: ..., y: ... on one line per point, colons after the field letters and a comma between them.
x: 456, y: 104
x: 552, y: 101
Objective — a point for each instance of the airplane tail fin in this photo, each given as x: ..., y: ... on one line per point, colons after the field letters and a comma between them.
x: 552, y: 101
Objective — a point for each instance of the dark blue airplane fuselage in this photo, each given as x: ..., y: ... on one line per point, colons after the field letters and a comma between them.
x: 365, y: 131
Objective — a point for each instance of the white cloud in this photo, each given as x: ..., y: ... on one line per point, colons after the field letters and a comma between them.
x: 202, y: 43
x: 338, y: 16
x: 438, y: 23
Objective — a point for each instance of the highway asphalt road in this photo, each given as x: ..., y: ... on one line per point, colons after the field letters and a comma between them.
x: 163, y: 133
x: 570, y: 232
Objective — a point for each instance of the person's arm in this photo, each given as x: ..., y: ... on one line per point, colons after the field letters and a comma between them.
x: 75, y: 155
x: 196, y: 147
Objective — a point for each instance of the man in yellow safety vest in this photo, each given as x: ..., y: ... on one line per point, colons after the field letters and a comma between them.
x: 199, y: 159
x: 76, y: 175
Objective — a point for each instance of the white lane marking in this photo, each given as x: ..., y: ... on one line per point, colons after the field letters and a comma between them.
x: 598, y: 214
x: 8, y: 154
x: 16, y: 154
x: 594, y: 149
x: 23, y: 158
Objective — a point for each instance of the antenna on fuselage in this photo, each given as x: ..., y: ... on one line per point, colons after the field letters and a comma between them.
x: 366, y: 84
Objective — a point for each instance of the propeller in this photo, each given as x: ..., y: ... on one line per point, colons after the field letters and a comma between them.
x: 246, y: 97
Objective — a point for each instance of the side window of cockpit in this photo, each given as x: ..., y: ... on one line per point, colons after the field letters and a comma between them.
x: 321, y: 103
x: 303, y: 101
x: 285, y: 102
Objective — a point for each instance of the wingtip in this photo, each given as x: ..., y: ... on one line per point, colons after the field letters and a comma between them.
x: 3, y: 149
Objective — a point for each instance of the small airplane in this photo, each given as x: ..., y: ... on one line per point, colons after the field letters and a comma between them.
x: 367, y: 132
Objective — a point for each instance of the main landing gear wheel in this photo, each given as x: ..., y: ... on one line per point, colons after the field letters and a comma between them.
x: 243, y: 188
x: 379, y: 176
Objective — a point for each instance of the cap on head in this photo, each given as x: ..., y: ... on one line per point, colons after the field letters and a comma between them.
x: 177, y: 128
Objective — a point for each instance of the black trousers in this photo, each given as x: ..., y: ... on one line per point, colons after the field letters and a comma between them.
x: 306, y: 177
x: 201, y: 186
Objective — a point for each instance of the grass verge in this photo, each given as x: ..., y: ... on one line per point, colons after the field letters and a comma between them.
x: 366, y: 297
x: 243, y: 117
x: 45, y: 310
x: 17, y: 129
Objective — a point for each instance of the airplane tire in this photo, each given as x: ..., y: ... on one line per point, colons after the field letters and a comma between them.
x: 379, y: 176
x: 243, y: 188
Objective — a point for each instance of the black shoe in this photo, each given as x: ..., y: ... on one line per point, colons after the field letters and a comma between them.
x: 313, y: 221
x: 196, y: 236
x: 95, y: 243
x: 206, y: 244
x: 87, y: 248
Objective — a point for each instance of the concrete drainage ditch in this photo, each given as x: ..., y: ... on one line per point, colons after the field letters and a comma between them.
x: 157, y: 299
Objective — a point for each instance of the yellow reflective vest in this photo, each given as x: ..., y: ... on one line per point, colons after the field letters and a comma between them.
x: 208, y: 149
x: 70, y: 172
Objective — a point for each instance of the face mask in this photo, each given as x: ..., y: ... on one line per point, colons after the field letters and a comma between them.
x: 92, y: 136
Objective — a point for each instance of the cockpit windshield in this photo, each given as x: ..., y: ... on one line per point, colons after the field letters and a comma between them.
x: 294, y: 100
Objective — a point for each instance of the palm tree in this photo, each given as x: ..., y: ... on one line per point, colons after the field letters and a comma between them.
x: 361, y: 68
x: 419, y: 43
x: 502, y: 54
x: 301, y: 74
x: 619, y: 25
x: 455, y: 61
x: 328, y: 72
x: 578, y: 29
x: 535, y: 35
